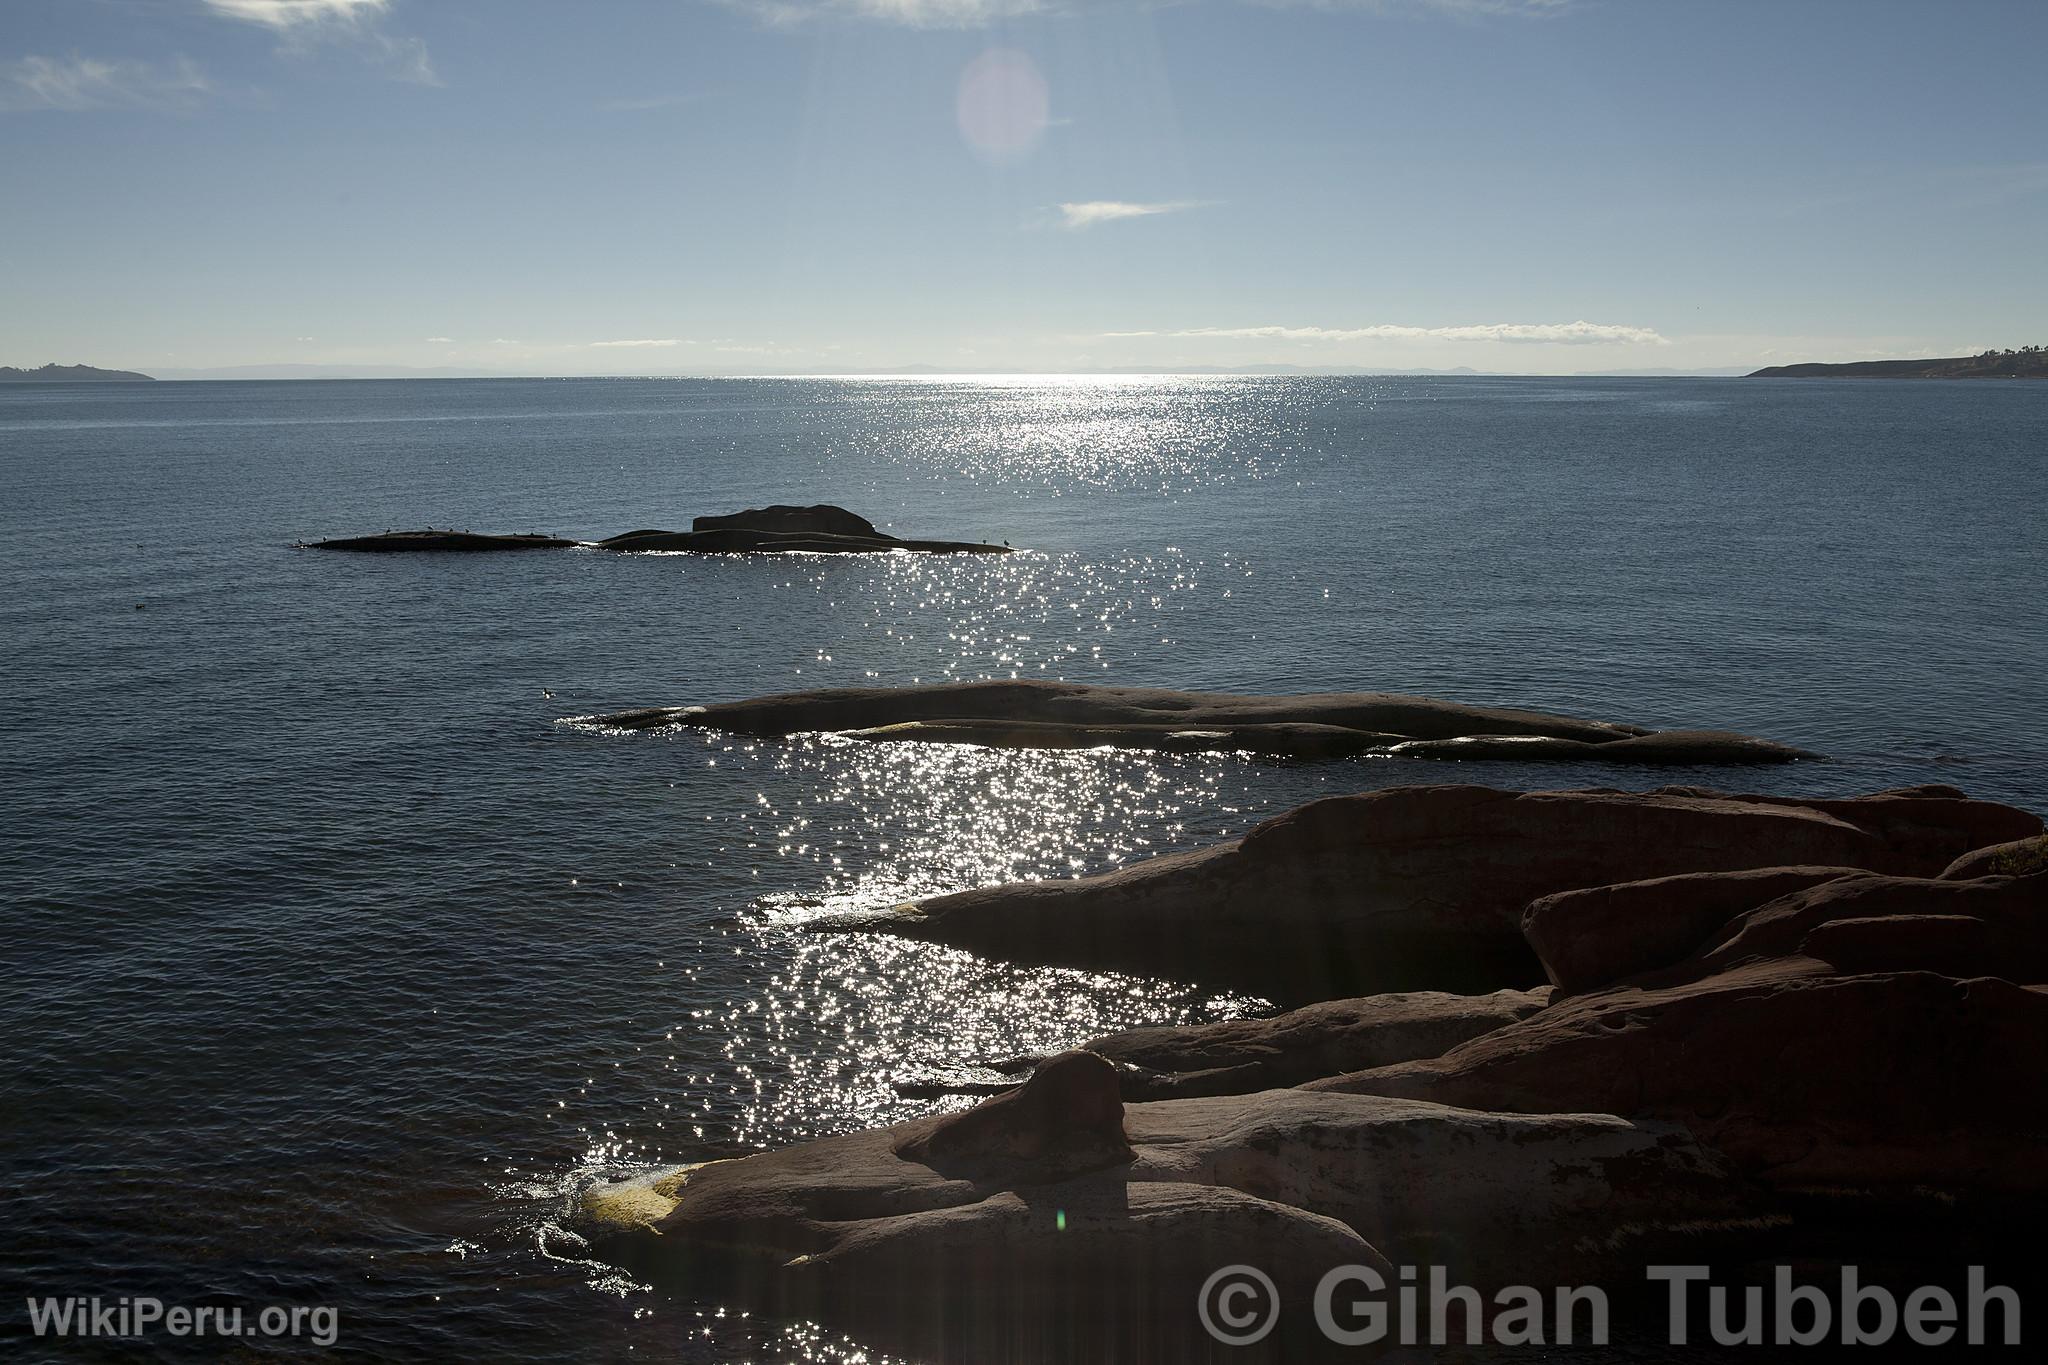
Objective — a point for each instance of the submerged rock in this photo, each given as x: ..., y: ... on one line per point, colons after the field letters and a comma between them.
x: 1047, y: 708
x: 1043, y: 714
x: 1423, y: 887
x: 441, y: 541
x: 1674, y: 748
x: 1290, y: 740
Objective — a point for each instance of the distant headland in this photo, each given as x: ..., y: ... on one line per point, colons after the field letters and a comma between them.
x: 2029, y: 362
x: 66, y: 373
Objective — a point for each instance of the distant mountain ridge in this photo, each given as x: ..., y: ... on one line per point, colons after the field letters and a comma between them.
x: 63, y: 373
x: 2029, y: 362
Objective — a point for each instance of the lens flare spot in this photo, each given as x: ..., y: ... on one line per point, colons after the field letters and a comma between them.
x: 1003, y: 104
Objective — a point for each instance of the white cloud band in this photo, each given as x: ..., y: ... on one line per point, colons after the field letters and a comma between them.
x: 1093, y: 211
x: 89, y: 83
x: 1580, y: 333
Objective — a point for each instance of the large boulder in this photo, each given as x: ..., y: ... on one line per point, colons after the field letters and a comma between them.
x: 1422, y: 887
x: 1066, y: 1120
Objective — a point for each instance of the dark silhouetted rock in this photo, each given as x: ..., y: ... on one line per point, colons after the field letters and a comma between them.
x: 740, y: 540
x: 1420, y: 887
x: 441, y: 541
x: 781, y: 519
x: 823, y: 529
x: 766, y: 530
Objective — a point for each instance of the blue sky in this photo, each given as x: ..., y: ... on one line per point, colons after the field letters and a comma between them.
x: 691, y: 186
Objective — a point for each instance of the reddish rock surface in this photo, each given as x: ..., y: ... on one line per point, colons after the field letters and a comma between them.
x: 1602, y: 934
x: 1424, y: 887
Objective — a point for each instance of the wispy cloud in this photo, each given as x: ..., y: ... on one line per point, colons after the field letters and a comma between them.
x: 287, y: 14
x: 1089, y: 213
x: 655, y: 341
x: 1457, y: 9
x: 442, y: 340
x: 303, y: 24
x: 648, y: 102
x: 982, y: 13
x: 907, y: 13
x: 1551, y: 333
x: 91, y: 83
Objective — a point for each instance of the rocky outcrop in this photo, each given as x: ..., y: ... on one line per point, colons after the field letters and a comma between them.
x: 2017, y: 858
x: 860, y: 1230
x: 441, y: 542
x: 1861, y: 1031
x: 1598, y: 935
x: 1804, y: 1078
x: 822, y: 529
x: 1044, y: 714
x: 1424, y: 887
x: 1237, y: 1056
x: 1747, y: 1063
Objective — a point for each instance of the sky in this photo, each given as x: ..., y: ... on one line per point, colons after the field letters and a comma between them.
x: 830, y: 186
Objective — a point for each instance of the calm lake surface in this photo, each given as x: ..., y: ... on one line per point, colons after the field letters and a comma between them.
x: 337, y: 964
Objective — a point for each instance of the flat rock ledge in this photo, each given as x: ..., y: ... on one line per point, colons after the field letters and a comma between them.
x: 1040, y: 714
x: 1834, y: 1060
x: 823, y: 529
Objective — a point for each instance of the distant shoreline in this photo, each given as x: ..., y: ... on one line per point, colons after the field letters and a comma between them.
x: 2031, y: 363
x: 71, y: 374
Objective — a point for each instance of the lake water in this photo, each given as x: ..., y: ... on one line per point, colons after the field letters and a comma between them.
x: 336, y: 964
